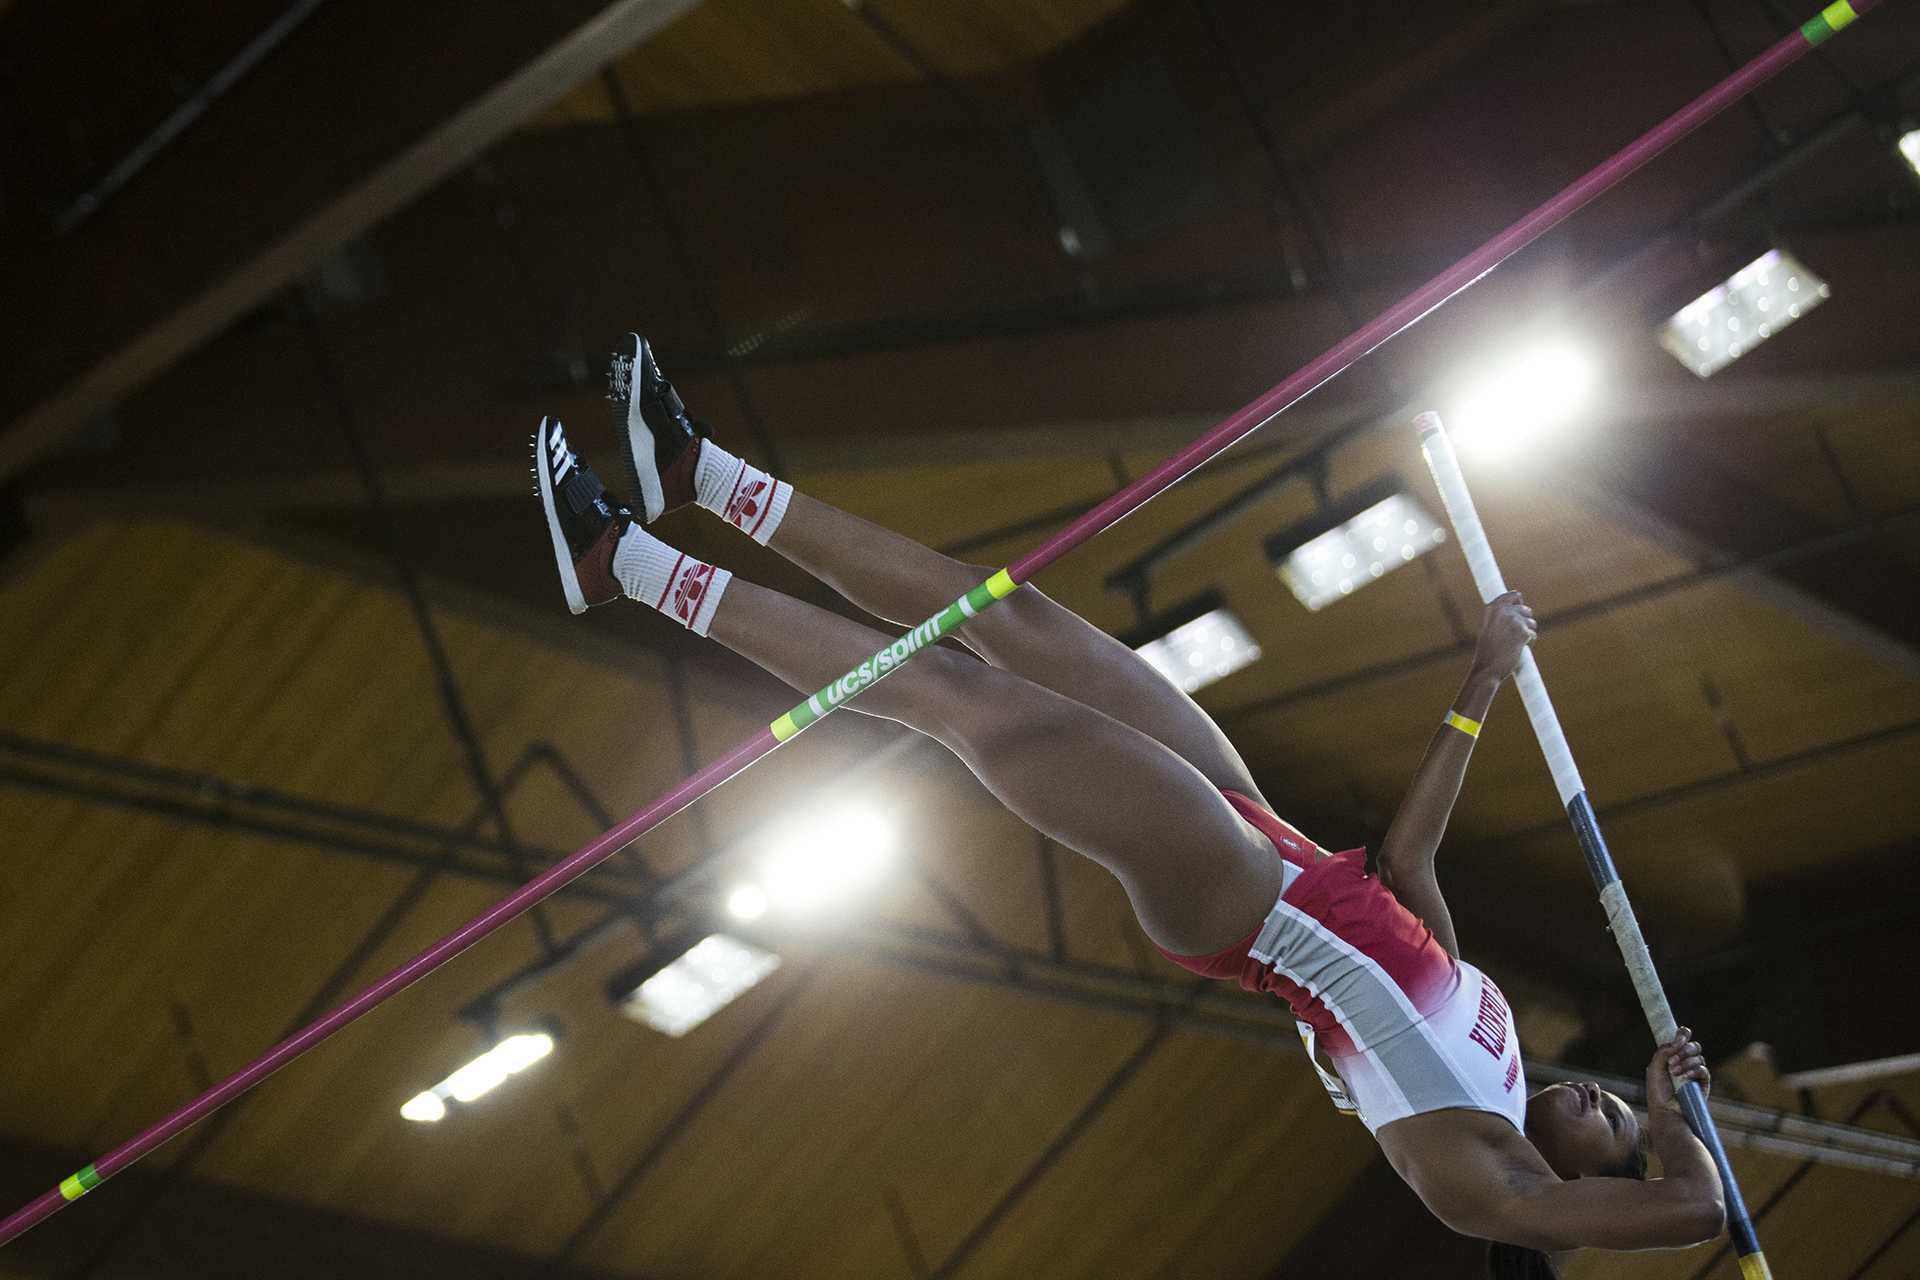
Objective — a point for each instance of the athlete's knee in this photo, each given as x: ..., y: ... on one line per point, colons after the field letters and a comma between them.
x: 938, y: 692
x: 974, y: 703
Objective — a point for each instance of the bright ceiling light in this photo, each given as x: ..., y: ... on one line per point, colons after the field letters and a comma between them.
x: 477, y: 1078
x: 424, y: 1108
x: 748, y: 902
x: 481, y: 1076
x: 517, y: 1053
x: 1532, y: 392
x: 1197, y: 644
x: 1910, y: 150
x: 1731, y: 319
x: 826, y: 857
x: 1356, y: 540
x: 700, y: 982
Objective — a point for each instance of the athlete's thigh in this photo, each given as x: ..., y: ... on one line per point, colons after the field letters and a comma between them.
x: 1049, y: 644
x: 1199, y: 876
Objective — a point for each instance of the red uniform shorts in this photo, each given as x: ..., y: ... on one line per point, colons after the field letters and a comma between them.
x: 1346, y: 911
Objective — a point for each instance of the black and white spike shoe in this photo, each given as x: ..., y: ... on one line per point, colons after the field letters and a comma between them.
x: 663, y: 440
x: 584, y: 521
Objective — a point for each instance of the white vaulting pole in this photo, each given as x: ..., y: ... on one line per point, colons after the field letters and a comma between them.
x: 1586, y: 828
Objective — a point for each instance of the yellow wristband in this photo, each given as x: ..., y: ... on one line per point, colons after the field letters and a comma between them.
x: 1469, y: 727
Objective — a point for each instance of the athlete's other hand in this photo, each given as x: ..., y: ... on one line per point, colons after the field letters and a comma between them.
x: 1506, y: 629
x: 1674, y: 1063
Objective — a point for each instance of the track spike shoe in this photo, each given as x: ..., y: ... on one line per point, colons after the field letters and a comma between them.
x: 663, y: 440
x: 584, y: 521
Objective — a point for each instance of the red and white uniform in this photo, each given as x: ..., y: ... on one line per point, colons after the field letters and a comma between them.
x: 1409, y: 1028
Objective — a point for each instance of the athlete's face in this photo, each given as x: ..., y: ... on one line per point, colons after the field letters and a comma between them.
x: 1581, y: 1129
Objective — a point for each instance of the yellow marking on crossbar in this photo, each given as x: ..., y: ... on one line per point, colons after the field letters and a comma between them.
x: 71, y: 1188
x: 1000, y: 586
x: 1839, y: 14
x: 1754, y: 1267
x: 784, y: 728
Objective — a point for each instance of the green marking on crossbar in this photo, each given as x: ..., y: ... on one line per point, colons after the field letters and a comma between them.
x: 1834, y: 17
x: 885, y: 660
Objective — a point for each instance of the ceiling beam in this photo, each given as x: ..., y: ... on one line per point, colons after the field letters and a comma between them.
x: 227, y: 804
x: 273, y: 177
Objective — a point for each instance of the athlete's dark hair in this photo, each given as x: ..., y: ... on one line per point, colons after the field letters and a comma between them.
x: 1512, y: 1262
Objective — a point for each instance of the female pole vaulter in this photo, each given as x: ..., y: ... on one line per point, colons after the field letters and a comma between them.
x: 1080, y: 738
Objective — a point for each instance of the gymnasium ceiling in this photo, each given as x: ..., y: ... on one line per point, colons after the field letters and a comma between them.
x: 233, y: 784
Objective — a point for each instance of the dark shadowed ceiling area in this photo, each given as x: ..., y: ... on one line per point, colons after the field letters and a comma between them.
x: 289, y: 692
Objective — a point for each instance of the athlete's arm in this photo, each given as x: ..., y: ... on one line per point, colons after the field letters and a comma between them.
x: 1406, y: 855
x: 1510, y: 1194
x: 1601, y: 1213
x: 1682, y: 1155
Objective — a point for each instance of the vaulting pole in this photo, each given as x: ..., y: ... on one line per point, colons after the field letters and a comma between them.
x: 1249, y: 419
x: 1586, y: 828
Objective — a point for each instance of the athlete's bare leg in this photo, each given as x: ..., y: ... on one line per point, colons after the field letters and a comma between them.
x: 893, y: 577
x: 1199, y: 877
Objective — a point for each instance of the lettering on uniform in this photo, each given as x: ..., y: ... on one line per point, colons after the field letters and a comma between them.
x: 1513, y: 1072
x: 1490, y: 1028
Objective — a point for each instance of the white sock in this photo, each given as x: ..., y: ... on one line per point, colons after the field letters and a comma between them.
x: 685, y: 589
x: 744, y: 496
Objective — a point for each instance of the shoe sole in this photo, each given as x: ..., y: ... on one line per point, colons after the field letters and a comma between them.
x: 562, y: 557
x: 646, y: 476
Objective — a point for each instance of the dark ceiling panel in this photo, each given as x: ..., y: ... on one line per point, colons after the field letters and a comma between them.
x: 273, y: 177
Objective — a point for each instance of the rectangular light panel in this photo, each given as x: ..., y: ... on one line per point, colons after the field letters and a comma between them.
x: 1910, y: 149
x: 1729, y: 320
x: 712, y: 973
x: 1339, y: 562
x: 1194, y: 655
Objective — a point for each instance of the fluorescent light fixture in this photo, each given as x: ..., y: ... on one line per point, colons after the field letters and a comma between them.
x: 1532, y: 391
x: 481, y: 1076
x: 1909, y: 145
x: 678, y: 997
x: 516, y: 1053
x: 1357, y: 540
x: 424, y: 1108
x: 1195, y: 645
x: 1731, y: 319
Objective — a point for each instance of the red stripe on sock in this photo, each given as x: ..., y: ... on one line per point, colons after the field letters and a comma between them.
x: 671, y: 574
x: 733, y: 494
x: 766, y: 510
x: 706, y: 604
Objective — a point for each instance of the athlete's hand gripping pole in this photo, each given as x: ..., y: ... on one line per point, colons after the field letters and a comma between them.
x: 1586, y: 828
